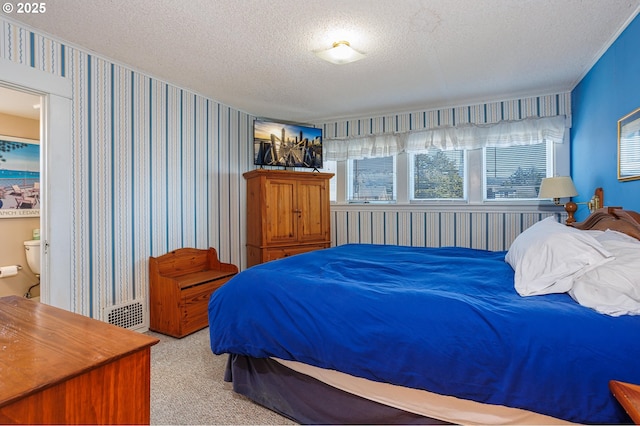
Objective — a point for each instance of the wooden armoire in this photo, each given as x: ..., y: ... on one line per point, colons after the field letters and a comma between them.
x: 287, y: 213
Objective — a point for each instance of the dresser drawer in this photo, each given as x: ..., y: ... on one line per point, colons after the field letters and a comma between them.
x: 280, y: 252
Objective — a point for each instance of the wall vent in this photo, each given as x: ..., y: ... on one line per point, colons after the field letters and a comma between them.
x: 126, y: 315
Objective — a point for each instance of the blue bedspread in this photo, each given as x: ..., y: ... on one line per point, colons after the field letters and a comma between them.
x: 447, y: 320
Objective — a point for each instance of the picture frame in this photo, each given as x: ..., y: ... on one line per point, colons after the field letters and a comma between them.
x: 629, y: 146
x: 19, y: 177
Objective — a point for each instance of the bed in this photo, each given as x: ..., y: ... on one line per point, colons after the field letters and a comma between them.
x: 390, y: 334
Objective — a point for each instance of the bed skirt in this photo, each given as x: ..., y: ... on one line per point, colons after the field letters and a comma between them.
x: 308, y: 394
x: 306, y: 400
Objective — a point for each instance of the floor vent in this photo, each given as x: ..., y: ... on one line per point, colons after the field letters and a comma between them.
x: 127, y: 315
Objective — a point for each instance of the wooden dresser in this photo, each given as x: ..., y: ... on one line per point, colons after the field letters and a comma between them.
x: 57, y: 367
x: 287, y: 213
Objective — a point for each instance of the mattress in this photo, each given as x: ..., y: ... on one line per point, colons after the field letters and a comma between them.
x: 421, y: 402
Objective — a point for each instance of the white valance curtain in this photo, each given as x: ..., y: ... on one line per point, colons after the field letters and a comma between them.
x: 467, y: 136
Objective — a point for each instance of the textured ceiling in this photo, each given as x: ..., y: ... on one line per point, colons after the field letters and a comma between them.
x: 257, y: 55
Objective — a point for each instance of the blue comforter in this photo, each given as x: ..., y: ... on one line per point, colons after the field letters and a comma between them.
x: 447, y: 320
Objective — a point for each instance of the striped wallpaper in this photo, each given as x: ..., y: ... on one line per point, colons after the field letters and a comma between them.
x: 491, y: 112
x: 428, y: 228
x: 157, y: 167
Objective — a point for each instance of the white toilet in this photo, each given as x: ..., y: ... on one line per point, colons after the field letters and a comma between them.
x: 32, y: 250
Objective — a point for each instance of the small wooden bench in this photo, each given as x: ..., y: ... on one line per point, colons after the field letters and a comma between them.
x: 180, y: 285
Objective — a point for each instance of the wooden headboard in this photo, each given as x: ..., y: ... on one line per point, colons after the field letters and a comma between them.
x: 614, y: 218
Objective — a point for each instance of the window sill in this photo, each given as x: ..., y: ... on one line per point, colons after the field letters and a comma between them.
x: 453, y: 206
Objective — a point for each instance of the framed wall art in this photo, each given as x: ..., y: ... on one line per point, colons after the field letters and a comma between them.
x: 629, y: 146
x: 19, y: 177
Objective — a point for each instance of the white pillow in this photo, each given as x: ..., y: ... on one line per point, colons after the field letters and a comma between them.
x: 547, y: 256
x: 612, y: 288
x: 611, y: 235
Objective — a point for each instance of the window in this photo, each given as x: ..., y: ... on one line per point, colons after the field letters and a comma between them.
x: 475, y: 176
x: 438, y: 175
x: 331, y: 167
x: 372, y: 179
x: 515, y: 172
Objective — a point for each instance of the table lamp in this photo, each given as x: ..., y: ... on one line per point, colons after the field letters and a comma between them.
x: 560, y: 187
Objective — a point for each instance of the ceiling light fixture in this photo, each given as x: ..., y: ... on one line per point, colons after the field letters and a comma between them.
x: 340, y: 53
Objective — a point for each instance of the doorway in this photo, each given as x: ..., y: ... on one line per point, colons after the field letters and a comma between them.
x: 20, y: 190
x: 55, y: 95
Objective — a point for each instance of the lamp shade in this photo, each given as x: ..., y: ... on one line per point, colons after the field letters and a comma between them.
x: 557, y: 187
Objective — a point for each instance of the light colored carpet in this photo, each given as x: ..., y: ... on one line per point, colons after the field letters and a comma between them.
x: 187, y: 386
